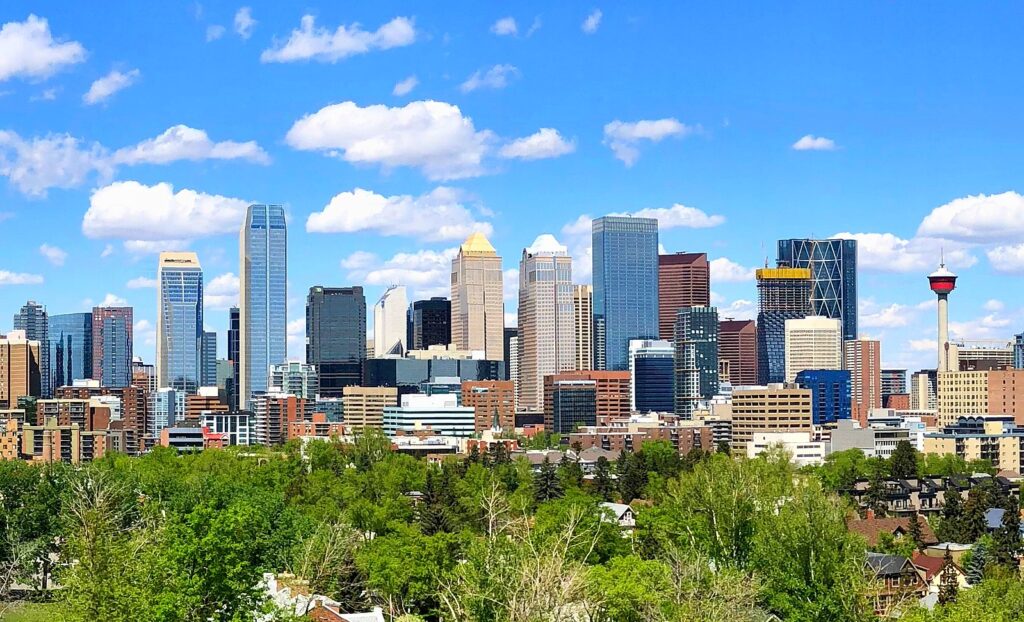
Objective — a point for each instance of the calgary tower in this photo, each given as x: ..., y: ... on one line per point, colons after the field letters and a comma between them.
x: 942, y: 281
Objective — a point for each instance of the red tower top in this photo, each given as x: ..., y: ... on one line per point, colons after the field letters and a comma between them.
x: 942, y: 281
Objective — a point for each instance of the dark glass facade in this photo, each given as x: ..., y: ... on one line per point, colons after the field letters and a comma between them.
x: 208, y: 375
x: 411, y: 373
x: 336, y: 336
x: 431, y: 323
x: 830, y: 393
x: 696, y: 358
x: 509, y: 334
x: 70, y: 348
x: 112, y: 343
x: 33, y: 320
x: 771, y: 344
x: 833, y: 265
x: 234, y: 325
x: 655, y: 378
x: 574, y: 404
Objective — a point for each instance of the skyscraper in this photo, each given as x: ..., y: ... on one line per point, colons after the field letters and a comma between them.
x: 234, y: 330
x: 547, y: 341
x: 112, y: 346
x: 696, y: 358
x: 833, y: 266
x: 583, y: 321
x: 863, y: 359
x: 208, y: 358
x: 263, y: 295
x: 511, y: 349
x: 179, y: 323
x: 70, y: 348
x: 813, y: 342
x: 737, y: 344
x: 651, y: 375
x: 33, y: 320
x: 19, y: 368
x: 783, y: 294
x: 625, y: 286
x: 431, y: 323
x: 684, y: 280
x: 295, y: 378
x: 478, y: 308
x: 336, y: 336
x: 830, y: 393
x: 389, y: 322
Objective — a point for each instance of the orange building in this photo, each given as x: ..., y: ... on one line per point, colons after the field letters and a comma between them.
x: 274, y: 415
x: 490, y: 398
x: 612, y: 393
x: 1006, y: 393
x: 318, y: 427
x: 19, y: 368
x: 684, y: 280
x: 863, y: 358
x: 897, y: 401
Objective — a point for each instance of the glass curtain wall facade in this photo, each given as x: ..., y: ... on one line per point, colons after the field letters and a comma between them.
x: 179, y: 346
x: 70, y: 348
x: 33, y: 320
x: 263, y: 336
x: 652, y: 375
x: 112, y: 346
x: 830, y: 393
x: 234, y: 325
x: 431, y: 323
x: 696, y: 358
x: 783, y: 294
x: 833, y: 266
x: 208, y: 373
x: 336, y: 336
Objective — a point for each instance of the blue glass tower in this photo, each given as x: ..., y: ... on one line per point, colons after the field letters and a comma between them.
x: 33, y: 320
x: 70, y: 348
x: 179, y: 330
x: 830, y: 393
x: 783, y: 294
x: 625, y: 287
x: 263, y: 331
x: 652, y: 375
x: 833, y: 266
x: 696, y: 358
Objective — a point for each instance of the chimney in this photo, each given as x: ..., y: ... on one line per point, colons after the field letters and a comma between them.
x: 869, y: 514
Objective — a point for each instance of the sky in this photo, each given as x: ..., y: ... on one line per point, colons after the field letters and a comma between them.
x: 390, y: 131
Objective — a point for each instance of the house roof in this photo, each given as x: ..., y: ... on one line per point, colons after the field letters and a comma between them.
x: 886, y: 565
x: 931, y: 565
x: 591, y: 454
x: 619, y: 509
x: 872, y: 528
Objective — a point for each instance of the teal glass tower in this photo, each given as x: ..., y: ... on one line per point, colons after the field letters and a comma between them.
x: 263, y: 298
x: 833, y: 266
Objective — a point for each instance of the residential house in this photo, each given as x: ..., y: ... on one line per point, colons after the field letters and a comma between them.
x: 897, y: 583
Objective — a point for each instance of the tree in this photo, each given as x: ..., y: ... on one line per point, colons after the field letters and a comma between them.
x: 948, y: 582
x: 326, y: 559
x: 976, y: 566
x: 545, y: 483
x: 603, y: 484
x: 434, y: 506
x: 916, y: 531
x: 903, y: 462
x: 570, y: 474
x: 1006, y: 542
x: 973, y: 522
x: 951, y: 525
x: 875, y: 496
x: 632, y: 476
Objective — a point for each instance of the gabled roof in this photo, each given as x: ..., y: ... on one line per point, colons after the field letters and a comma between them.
x: 872, y: 528
x: 886, y: 565
x: 619, y: 509
x: 930, y: 565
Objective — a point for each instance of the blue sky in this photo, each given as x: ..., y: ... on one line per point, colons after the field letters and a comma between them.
x: 144, y: 126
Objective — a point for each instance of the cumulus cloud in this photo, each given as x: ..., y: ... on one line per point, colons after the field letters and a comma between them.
x: 53, y: 254
x: 923, y: 345
x: 993, y: 305
x: 214, y: 32
x: 130, y: 210
x: 141, y: 282
x: 678, y: 216
x: 497, y: 77
x: 426, y: 272
x: 405, y: 86
x: 510, y: 285
x: 814, y: 143
x: 623, y: 138
x: 103, y: 88
x: 886, y: 252
x: 977, y: 218
x: 1008, y: 259
x: 244, y: 22
x: 19, y: 278
x: 143, y: 331
x: 892, y: 316
x: 592, y: 22
x: 725, y: 270
x: 153, y: 247
x: 437, y: 215
x: 577, y: 235
x: 297, y: 339
x: 432, y: 136
x: 741, y: 309
x: 113, y: 300
x: 28, y: 50
x: 320, y: 44
x: 221, y: 293
x: 505, y: 26
x: 108, y: 250
x: 546, y: 143
x: 182, y: 142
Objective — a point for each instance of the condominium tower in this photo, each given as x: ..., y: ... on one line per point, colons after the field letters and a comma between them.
x: 33, y: 320
x: 112, y: 343
x: 583, y: 320
x: 783, y: 294
x: 813, y: 342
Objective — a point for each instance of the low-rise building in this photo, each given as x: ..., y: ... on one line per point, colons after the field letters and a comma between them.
x: 236, y: 428
x: 630, y: 434
x: 879, y: 439
x: 318, y: 427
x: 801, y: 446
x: 996, y: 438
x: 440, y: 414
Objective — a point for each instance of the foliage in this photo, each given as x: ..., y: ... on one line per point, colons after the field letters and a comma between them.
x: 1006, y: 542
x: 992, y: 600
x: 903, y: 461
x: 949, y: 586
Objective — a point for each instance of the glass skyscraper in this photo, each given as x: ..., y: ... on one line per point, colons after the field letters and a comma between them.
x: 696, y: 358
x: 783, y: 294
x: 233, y: 335
x: 179, y: 330
x: 208, y: 358
x: 33, y: 320
x: 830, y: 393
x: 70, y: 348
x: 833, y: 266
x: 263, y: 334
x: 336, y: 336
x: 112, y: 342
x: 625, y: 287
x: 652, y: 375
x: 431, y: 323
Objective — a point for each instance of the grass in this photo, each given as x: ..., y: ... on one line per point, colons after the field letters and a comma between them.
x: 31, y: 612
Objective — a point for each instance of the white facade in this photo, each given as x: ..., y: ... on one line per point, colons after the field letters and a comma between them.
x: 294, y: 378
x: 390, y: 320
x: 513, y: 367
x: 813, y: 342
x: 803, y: 450
x: 439, y: 413
x: 236, y: 426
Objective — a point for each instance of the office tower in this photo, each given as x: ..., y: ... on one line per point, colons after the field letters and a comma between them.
x: 478, y: 309
x: 112, y: 346
x: 967, y: 356
x: 32, y: 319
x: 610, y: 402
x: 894, y: 381
x: 234, y: 332
x: 833, y: 266
x: 336, y: 336
x: 775, y: 408
x: 389, y: 322
x: 179, y: 323
x: 696, y: 358
x: 783, y: 294
x: 737, y: 344
x: 19, y: 368
x: 830, y: 394
x: 813, y: 342
x: 547, y: 341
x: 431, y: 323
x: 364, y: 406
x: 684, y: 280
x: 70, y: 337
x: 942, y: 282
x: 570, y: 404
x: 294, y: 378
x: 652, y: 375
x: 511, y: 348
x: 513, y: 367
x: 494, y: 402
x: 863, y: 359
x: 263, y: 295
x: 625, y: 286
x: 208, y: 359
x: 225, y: 375
x: 166, y: 408
x: 583, y: 321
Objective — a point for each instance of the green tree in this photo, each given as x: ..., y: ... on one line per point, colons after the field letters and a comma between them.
x: 976, y: 565
x: 632, y: 476
x: 604, y: 486
x: 948, y: 582
x: 570, y: 473
x: 951, y: 524
x: 916, y: 531
x: 1006, y: 541
x: 903, y: 462
x: 545, y: 483
x: 875, y: 496
x: 326, y: 559
x: 435, y: 505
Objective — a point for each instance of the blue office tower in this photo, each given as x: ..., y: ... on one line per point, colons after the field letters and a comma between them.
x: 833, y: 266
x: 652, y: 375
x: 1018, y: 351
x: 70, y: 348
x: 771, y: 344
x: 625, y: 287
x: 830, y: 393
x: 179, y: 327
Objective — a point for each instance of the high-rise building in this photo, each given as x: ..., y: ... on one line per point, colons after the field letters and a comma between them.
x: 625, y: 286
x: 234, y: 333
x: 513, y: 367
x: 863, y: 358
x: 684, y: 280
x: 1018, y: 351
x: 833, y: 266
x: 570, y: 404
x: 924, y: 390
x: 652, y: 374
x: 32, y: 319
x: 611, y: 398
x: 830, y: 394
x: 494, y: 402
x: 431, y: 323
x: 179, y: 323
x: 208, y: 359
x: 894, y: 381
x: 70, y: 348
x: 813, y: 342
x: 263, y: 296
x: 583, y: 321
x: 294, y: 378
x: 783, y: 294
x: 547, y: 340
x: 478, y: 308
x: 336, y: 336
x: 19, y: 368
x: 696, y: 358
x: 274, y: 413
x: 511, y: 348
x: 737, y: 344
x: 112, y: 346
x: 390, y: 322
x: 775, y: 408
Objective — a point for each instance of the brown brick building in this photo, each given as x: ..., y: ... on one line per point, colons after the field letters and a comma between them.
x: 490, y: 397
x: 630, y: 438
x: 737, y: 344
x: 134, y: 405
x: 610, y: 388
x: 684, y: 280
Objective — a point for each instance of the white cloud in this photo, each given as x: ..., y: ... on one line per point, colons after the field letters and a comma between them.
x: 182, y: 142
x: 814, y: 143
x: 511, y: 319
x: 109, y: 84
x: 113, y: 300
x: 19, y: 278
x: 48, y: 95
x: 108, y: 250
x: 27, y: 49
x: 130, y: 210
x: 725, y: 270
x: 994, y: 305
x: 885, y: 252
x: 505, y: 26
x: 53, y: 161
x: 546, y: 143
x: 53, y: 254
x: 141, y: 282
x: 435, y: 216
x: 405, y: 86
x: 923, y: 345
x: 311, y: 43
x: 1008, y: 259
x: 977, y: 218
x: 592, y: 22
x: 510, y: 285
x: 359, y: 260
x: 152, y: 247
x: 297, y: 339
x: 429, y: 135
x: 678, y: 216
x: 578, y: 236
x: 892, y: 316
x: 623, y: 137
x: 740, y: 309
x: 534, y: 27
x: 221, y: 292
x: 214, y: 32
x: 426, y: 272
x: 143, y: 331
x: 244, y: 23
x: 497, y: 77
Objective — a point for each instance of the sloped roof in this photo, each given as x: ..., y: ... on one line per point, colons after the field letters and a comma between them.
x: 478, y: 244
x: 886, y: 565
x: 872, y: 528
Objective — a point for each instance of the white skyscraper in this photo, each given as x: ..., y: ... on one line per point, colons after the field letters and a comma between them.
x: 390, y: 320
x: 814, y: 342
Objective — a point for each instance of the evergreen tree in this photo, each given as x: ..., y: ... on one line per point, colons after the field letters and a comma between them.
x: 545, y: 483
x: 903, y: 462
x: 723, y: 447
x: 603, y: 484
x: 874, y: 498
x: 916, y: 532
x: 499, y: 454
x: 973, y: 523
x: 951, y: 525
x: 1006, y: 544
x: 976, y: 568
x: 948, y: 583
x: 632, y: 477
x: 570, y: 473
x: 474, y: 455
x: 433, y: 507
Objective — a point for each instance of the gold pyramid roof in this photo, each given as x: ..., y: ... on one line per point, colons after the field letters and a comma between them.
x: 477, y: 244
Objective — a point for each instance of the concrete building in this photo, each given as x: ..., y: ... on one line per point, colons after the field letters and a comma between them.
x: 207, y: 400
x: 20, y: 370
x: 611, y: 393
x: 966, y: 356
x: 493, y: 401
x: 478, y: 308
x: 969, y: 393
x: 801, y: 446
x: 863, y: 359
x: 236, y: 428
x: 924, y: 390
x: 894, y: 382
x: 34, y: 321
x: 876, y: 440
x: 166, y: 408
x: 737, y: 345
x: 390, y: 323
x: 631, y: 434
x: 996, y: 438
x: 179, y: 321
x: 652, y: 374
x: 273, y: 413
x: 364, y: 406
x: 813, y: 342
x: 583, y: 324
x: 295, y: 378
x: 774, y: 408
x: 439, y: 414
x: 112, y: 342
x: 684, y: 280
x: 570, y: 404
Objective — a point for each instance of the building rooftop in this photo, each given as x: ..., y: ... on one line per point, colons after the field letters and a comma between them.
x: 477, y: 244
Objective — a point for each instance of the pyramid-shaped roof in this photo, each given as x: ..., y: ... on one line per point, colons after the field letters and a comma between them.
x: 477, y: 244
